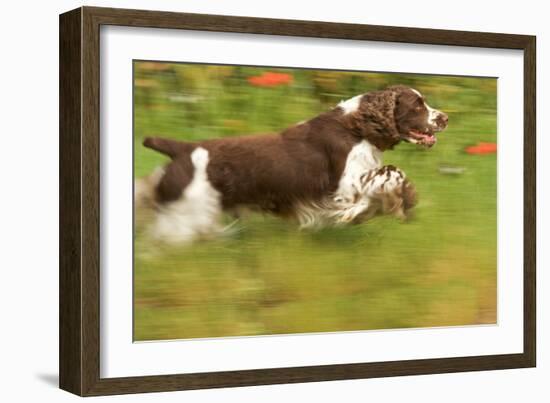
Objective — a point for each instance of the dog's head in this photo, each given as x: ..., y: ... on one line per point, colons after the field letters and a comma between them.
x: 389, y: 116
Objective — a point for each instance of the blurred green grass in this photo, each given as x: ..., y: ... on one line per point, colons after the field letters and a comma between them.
x: 438, y: 269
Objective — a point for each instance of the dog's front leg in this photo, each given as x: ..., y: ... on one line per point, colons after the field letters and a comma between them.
x: 390, y: 192
x: 351, y: 212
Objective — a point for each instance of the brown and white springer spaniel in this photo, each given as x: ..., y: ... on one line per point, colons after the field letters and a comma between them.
x: 325, y: 171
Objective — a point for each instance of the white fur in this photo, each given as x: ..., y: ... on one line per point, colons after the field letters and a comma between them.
x: 372, y: 192
x: 432, y: 114
x: 196, y: 213
x: 384, y: 183
x: 367, y: 188
x: 351, y: 105
x: 311, y: 214
x: 362, y: 158
x: 343, y: 206
x: 416, y: 92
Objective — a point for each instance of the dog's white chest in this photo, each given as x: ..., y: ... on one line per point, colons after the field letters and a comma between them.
x: 351, y: 198
x: 362, y: 158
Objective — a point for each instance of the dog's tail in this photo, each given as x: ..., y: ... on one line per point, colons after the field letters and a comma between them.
x: 171, y: 148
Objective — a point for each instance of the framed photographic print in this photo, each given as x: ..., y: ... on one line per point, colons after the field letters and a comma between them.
x: 248, y: 201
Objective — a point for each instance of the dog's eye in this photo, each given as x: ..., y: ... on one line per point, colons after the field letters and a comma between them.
x: 418, y: 104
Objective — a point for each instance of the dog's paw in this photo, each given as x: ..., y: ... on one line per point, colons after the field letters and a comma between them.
x: 348, y: 215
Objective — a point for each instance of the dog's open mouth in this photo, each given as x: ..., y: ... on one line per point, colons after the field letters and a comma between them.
x: 418, y: 137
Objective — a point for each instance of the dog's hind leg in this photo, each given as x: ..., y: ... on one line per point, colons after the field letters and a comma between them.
x: 144, y: 189
x: 196, y: 212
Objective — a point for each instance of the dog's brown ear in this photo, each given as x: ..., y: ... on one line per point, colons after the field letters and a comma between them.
x: 375, y: 120
x: 171, y: 148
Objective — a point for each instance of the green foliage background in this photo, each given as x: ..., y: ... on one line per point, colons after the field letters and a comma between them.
x: 438, y: 269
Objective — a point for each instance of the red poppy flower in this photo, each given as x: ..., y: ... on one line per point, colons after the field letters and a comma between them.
x: 482, y: 148
x: 270, y: 79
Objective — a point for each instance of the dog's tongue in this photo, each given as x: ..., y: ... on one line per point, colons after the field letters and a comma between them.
x: 423, y: 138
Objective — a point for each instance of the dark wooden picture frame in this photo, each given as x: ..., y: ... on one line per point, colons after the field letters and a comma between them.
x: 79, y: 348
